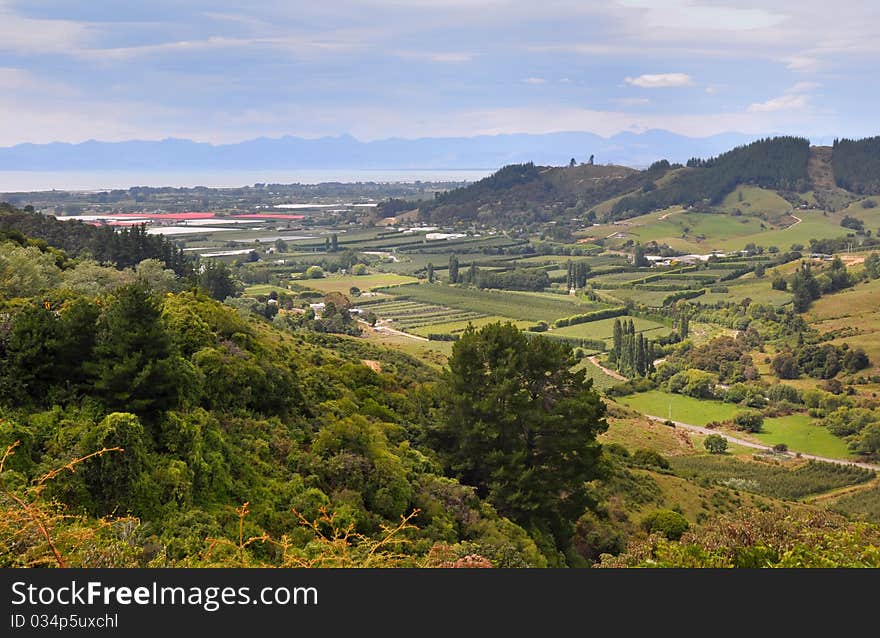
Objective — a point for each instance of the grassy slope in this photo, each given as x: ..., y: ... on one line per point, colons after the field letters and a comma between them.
x: 855, y: 307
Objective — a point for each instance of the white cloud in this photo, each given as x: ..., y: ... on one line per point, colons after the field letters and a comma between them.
x: 802, y: 63
x: 633, y: 101
x: 661, y: 80
x: 535, y: 81
x: 451, y: 57
x: 781, y: 103
x: 683, y: 14
x: 803, y: 87
x: 36, y: 36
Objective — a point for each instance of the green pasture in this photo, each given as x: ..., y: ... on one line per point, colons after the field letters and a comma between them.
x: 801, y: 434
x: 682, y: 408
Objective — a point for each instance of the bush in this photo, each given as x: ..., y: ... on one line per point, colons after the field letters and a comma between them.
x: 748, y: 421
x: 780, y: 392
x: 785, y: 365
x: 650, y: 458
x: 667, y: 522
x: 715, y: 444
x: 443, y: 336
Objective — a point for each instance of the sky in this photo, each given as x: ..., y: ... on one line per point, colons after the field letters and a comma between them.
x: 223, y: 71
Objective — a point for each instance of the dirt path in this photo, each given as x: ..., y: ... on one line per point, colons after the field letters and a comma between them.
x: 758, y: 446
x: 799, y: 220
x: 611, y: 373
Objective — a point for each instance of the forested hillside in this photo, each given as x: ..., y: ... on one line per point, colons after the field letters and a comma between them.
x: 857, y: 165
x: 778, y: 163
x: 525, y: 193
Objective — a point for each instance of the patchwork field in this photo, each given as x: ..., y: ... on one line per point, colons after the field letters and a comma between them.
x: 514, y: 305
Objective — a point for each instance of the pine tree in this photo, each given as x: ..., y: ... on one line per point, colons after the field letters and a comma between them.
x: 430, y: 273
x: 519, y: 425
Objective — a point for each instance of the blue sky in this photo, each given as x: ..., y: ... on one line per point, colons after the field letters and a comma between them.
x: 224, y: 71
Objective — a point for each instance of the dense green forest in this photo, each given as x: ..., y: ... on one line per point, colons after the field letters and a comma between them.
x: 856, y: 165
x: 779, y: 163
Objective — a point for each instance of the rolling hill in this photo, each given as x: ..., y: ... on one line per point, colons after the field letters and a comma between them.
x: 768, y: 178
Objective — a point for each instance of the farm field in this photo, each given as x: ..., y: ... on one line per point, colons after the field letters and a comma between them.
x: 456, y: 327
x: 514, y: 305
x: 263, y: 289
x: 863, y: 504
x: 790, y: 480
x: 364, y: 282
x: 683, y: 408
x: 758, y: 290
x: 801, y: 433
x: 604, y: 329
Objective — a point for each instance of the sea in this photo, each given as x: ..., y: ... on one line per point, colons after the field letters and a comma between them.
x: 27, y: 181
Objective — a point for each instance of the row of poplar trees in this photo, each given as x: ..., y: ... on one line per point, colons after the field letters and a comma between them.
x: 633, y: 354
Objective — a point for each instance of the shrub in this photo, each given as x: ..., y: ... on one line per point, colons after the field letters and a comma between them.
x: 667, y: 522
x: 715, y: 444
x: 785, y: 365
x: 650, y: 458
x: 443, y: 336
x: 748, y: 421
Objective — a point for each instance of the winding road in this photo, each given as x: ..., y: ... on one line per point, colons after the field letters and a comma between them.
x: 609, y: 372
x: 758, y: 446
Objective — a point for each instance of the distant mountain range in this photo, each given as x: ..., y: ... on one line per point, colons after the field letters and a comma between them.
x: 481, y: 152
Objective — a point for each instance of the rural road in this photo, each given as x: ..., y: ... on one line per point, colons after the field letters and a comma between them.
x: 610, y: 373
x: 701, y: 430
x: 799, y: 220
